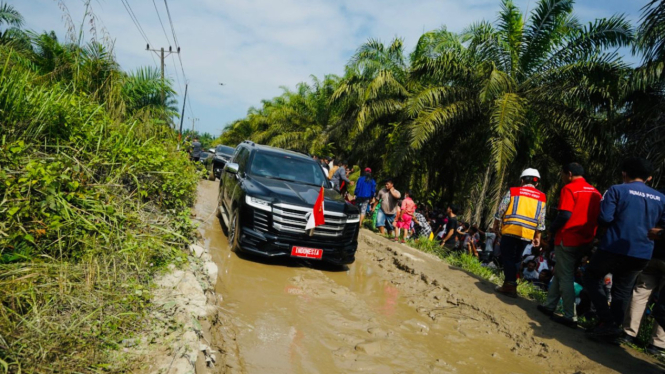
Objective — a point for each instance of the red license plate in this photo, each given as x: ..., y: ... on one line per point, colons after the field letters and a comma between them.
x: 306, y: 252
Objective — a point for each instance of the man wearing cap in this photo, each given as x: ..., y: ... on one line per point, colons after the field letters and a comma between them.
x: 365, y: 190
x: 521, y: 215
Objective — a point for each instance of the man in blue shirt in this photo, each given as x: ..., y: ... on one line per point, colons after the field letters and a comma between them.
x: 627, y: 212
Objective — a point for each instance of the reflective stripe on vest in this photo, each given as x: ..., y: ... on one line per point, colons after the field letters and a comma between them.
x: 521, y: 217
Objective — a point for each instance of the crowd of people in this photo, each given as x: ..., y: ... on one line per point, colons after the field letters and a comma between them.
x: 603, y: 256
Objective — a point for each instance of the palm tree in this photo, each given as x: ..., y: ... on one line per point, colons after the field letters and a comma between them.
x: 528, y: 92
x: 644, y: 124
x: 297, y: 120
x: 371, y: 102
x: 11, y: 22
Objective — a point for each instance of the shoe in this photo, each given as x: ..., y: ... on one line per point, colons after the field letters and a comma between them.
x: 402, y: 241
x: 656, y: 351
x: 606, y: 332
x: 545, y: 311
x: 564, y: 321
x: 507, y: 289
x: 627, y: 339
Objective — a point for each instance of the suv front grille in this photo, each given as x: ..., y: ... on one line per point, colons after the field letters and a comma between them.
x: 260, y: 220
x: 293, y: 219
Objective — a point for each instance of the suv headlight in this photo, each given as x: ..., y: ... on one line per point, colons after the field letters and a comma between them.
x: 257, y: 203
x: 353, y: 218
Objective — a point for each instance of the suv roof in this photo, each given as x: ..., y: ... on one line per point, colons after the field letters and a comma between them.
x: 266, y: 148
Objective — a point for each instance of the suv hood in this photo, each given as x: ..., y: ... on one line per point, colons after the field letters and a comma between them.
x: 296, y: 194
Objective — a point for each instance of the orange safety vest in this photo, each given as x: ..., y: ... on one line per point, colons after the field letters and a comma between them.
x: 521, y: 217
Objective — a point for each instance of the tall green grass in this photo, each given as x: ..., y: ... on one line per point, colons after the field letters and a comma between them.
x: 93, y: 203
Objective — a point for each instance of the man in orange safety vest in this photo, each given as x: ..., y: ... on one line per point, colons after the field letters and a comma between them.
x: 521, y: 215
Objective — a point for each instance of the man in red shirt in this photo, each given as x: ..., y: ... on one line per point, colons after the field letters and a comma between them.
x: 574, y: 229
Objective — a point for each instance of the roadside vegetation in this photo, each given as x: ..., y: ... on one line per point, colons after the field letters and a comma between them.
x: 459, y: 117
x: 94, y: 199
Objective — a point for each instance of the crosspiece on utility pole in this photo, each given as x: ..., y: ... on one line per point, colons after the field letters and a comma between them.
x: 162, y: 56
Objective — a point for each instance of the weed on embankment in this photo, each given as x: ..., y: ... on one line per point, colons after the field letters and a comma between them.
x: 94, y: 201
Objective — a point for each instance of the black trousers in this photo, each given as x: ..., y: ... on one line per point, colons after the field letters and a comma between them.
x: 625, y: 270
x: 511, y: 254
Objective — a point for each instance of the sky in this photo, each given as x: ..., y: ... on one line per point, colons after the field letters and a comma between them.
x: 256, y: 47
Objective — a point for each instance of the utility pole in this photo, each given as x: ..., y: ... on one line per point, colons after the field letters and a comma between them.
x: 182, y: 116
x: 193, y: 122
x: 161, y: 53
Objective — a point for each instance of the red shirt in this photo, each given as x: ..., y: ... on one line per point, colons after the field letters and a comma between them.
x: 583, y: 201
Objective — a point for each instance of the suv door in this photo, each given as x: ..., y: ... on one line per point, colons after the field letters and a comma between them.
x: 231, y: 181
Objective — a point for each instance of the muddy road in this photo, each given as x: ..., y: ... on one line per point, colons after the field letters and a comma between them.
x: 395, y: 310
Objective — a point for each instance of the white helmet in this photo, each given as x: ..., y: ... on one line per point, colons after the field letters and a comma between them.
x: 530, y: 173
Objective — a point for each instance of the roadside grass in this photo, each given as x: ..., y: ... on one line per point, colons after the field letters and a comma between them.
x: 92, y: 206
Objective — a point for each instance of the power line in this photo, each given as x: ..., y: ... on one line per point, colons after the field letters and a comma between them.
x: 161, y: 23
x: 168, y: 12
x: 128, y: 7
x: 177, y: 76
x: 177, y: 43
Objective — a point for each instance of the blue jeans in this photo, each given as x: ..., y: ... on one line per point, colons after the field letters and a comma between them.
x: 383, y: 219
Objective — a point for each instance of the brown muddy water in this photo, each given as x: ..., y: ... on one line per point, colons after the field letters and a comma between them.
x: 386, y: 313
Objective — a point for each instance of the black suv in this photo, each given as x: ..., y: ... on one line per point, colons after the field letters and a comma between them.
x: 223, y: 154
x: 265, y: 198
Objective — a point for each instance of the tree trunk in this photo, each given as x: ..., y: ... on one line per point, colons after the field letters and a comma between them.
x: 498, y: 192
x: 480, y: 204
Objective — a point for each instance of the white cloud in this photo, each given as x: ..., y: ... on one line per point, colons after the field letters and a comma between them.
x: 256, y: 46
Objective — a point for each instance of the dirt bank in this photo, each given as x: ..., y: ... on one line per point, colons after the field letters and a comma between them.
x: 395, y: 310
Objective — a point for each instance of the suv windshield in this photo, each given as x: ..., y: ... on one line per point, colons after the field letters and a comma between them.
x: 224, y: 149
x: 288, y: 168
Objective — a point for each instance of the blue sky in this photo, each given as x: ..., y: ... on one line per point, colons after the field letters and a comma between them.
x: 256, y: 46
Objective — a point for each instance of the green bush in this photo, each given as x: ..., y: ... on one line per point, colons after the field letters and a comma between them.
x: 93, y: 202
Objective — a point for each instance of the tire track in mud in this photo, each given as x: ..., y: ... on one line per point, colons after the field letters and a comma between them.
x: 516, y: 320
x: 395, y: 310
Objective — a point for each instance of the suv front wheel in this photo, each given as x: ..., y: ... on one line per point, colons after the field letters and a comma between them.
x: 234, y: 230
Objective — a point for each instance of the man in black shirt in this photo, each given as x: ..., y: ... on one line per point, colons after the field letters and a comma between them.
x: 451, y: 226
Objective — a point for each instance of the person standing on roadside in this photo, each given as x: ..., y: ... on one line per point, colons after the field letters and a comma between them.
x: 324, y: 166
x: 450, y: 229
x: 574, y: 229
x: 407, y: 211
x: 365, y: 191
x: 648, y: 283
x: 628, y: 212
x: 333, y: 169
x: 386, y: 214
x: 196, y: 150
x: 521, y: 216
x: 340, y: 177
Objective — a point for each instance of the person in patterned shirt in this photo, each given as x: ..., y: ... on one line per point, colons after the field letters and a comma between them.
x: 421, y: 225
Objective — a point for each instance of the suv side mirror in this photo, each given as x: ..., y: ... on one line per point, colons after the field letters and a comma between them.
x: 232, y: 167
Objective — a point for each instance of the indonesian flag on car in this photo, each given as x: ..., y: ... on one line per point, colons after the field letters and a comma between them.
x: 316, y: 217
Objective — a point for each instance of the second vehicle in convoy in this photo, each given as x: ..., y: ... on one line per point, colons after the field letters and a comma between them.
x: 265, y: 198
x: 223, y: 154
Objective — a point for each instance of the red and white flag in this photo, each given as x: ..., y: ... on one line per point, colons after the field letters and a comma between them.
x: 316, y: 218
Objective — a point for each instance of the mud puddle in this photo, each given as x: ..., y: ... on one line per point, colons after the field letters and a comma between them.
x: 381, y: 314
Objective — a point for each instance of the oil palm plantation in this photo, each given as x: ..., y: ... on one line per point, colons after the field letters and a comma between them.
x: 644, y: 125
x: 371, y: 101
x: 531, y: 91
